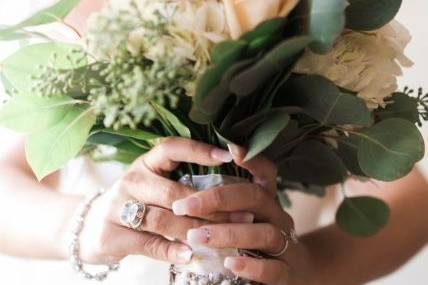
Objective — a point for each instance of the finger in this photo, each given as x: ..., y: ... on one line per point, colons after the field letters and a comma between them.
x: 265, y: 237
x: 164, y: 222
x: 247, y: 197
x: 156, y: 190
x: 166, y: 156
x: 264, y: 171
x: 153, y: 189
x: 128, y: 242
x: 266, y: 271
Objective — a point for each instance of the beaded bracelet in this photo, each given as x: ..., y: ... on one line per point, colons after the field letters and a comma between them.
x: 76, y: 230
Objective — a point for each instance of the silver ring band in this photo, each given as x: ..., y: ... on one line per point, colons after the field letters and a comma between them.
x: 288, y: 237
x: 133, y: 214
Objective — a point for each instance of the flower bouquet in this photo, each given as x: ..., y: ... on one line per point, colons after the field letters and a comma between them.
x: 310, y: 84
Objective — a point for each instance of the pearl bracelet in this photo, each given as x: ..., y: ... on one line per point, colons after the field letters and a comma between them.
x: 76, y: 230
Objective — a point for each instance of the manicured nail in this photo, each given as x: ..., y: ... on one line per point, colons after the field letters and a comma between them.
x: 186, y: 206
x: 242, y: 217
x: 198, y: 236
x: 234, y: 150
x: 184, y: 255
x: 221, y: 155
x: 235, y: 264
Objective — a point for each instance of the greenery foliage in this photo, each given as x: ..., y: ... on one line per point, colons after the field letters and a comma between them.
x: 70, y: 101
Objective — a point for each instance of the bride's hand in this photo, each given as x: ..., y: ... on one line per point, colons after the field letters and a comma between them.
x: 105, y: 240
x: 265, y: 234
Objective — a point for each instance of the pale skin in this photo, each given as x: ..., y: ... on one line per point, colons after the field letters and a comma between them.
x: 325, y: 256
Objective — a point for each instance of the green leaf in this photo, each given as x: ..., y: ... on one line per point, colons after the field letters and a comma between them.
x: 33, y: 113
x: 226, y: 54
x: 48, y: 15
x: 390, y: 149
x: 264, y: 35
x: 226, y: 51
x: 50, y: 149
x: 131, y: 133
x: 315, y: 163
x: 362, y: 216
x: 402, y: 106
x: 172, y: 120
x: 22, y: 65
x: 366, y: 15
x: 348, y: 151
x: 279, y: 58
x: 327, y: 20
x: 324, y: 102
x: 266, y: 133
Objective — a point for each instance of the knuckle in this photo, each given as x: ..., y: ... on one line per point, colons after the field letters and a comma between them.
x: 156, y: 220
x: 272, y: 235
x: 258, y: 194
x: 231, y: 237
x: 218, y: 197
x: 153, y: 248
x: 132, y: 177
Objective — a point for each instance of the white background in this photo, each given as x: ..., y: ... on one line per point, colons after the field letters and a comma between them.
x: 413, y: 15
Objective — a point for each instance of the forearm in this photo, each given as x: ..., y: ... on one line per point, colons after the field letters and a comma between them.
x: 343, y: 259
x: 33, y: 218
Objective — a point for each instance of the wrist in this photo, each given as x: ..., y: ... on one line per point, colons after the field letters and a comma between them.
x: 64, y: 232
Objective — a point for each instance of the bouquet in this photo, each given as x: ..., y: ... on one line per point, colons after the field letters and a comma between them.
x: 310, y: 84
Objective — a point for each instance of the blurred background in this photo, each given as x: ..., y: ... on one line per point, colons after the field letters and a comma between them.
x: 14, y: 271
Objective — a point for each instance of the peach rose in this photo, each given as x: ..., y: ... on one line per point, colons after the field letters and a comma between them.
x: 243, y: 15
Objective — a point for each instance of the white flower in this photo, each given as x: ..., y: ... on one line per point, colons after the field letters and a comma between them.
x: 244, y: 15
x: 367, y: 63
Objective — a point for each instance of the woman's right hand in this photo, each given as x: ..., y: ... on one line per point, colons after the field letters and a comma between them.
x: 104, y: 240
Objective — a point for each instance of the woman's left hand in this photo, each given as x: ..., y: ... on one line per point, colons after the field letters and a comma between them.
x: 265, y: 234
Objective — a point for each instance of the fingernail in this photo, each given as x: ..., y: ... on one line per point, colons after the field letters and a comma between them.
x: 198, y: 236
x: 186, y: 206
x: 242, y: 217
x: 222, y: 155
x: 233, y: 149
x: 184, y: 255
x: 234, y: 264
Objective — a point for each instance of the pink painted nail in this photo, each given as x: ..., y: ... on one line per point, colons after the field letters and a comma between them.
x: 242, y: 217
x: 221, y: 155
x: 186, y: 206
x: 198, y: 236
x: 234, y: 263
x: 184, y: 255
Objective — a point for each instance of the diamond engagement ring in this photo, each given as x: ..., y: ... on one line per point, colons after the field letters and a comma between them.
x: 133, y: 214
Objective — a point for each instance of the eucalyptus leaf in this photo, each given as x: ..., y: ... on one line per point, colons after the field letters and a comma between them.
x: 324, y: 102
x: 279, y: 58
x: 226, y: 54
x: 390, y: 149
x: 133, y: 133
x: 51, y: 14
x: 362, y: 216
x: 33, y: 113
x: 326, y: 23
x: 401, y: 106
x: 313, y: 163
x: 172, y: 120
x: 366, y: 15
x: 266, y: 133
x: 50, y: 149
x: 348, y: 151
x: 21, y: 66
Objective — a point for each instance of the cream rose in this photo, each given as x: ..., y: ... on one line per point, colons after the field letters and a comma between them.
x: 243, y: 15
